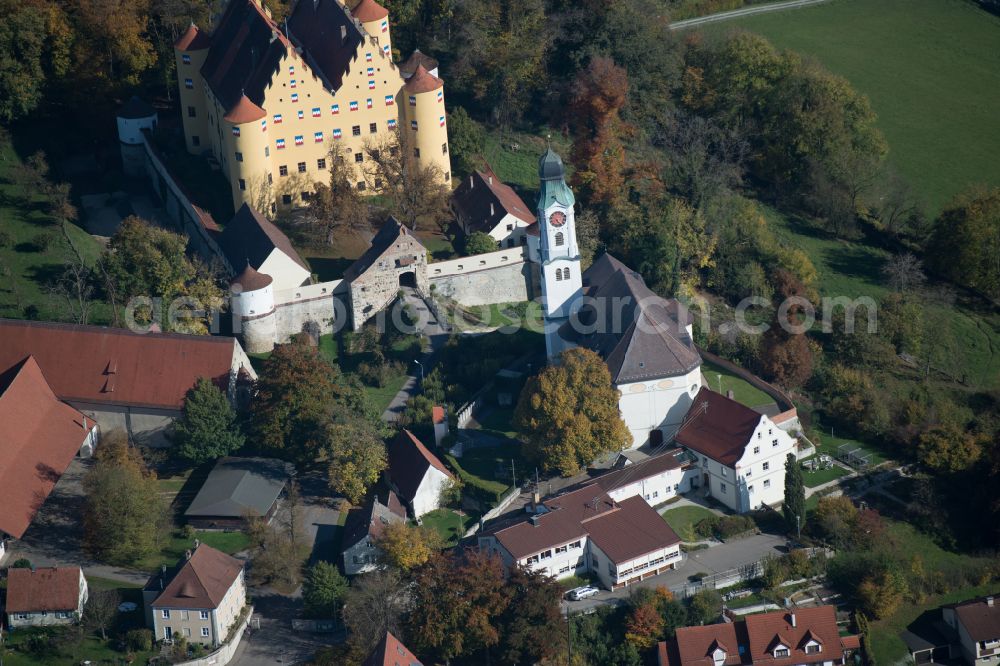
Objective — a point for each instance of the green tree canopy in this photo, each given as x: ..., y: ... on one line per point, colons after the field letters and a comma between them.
x: 466, y: 142
x: 124, y: 515
x: 794, y: 507
x: 568, y: 413
x: 323, y: 590
x: 207, y: 430
x: 355, y: 456
x: 966, y: 241
x: 480, y: 242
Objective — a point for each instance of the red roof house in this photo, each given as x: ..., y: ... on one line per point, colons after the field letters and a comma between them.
x: 45, y: 596
x: 391, y: 652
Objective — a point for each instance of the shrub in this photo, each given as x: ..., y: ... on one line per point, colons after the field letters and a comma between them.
x: 706, y: 527
x: 6, y: 238
x: 21, y: 563
x: 139, y: 640
x: 41, y: 242
x: 733, y: 526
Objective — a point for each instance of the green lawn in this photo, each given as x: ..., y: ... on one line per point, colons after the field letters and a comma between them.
x: 820, y: 476
x: 381, y: 396
x: 931, y: 69
x: 499, y: 421
x: 450, y: 524
x: 492, y: 465
x: 854, y: 270
x: 176, y: 545
x: 683, y: 518
x: 886, y: 643
x: 328, y: 347
x: 91, y: 649
x: 32, y: 269
x: 518, y: 167
x: 98, y: 583
x: 743, y: 391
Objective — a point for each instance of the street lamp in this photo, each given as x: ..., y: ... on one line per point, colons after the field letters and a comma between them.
x: 421, y: 366
x: 719, y: 375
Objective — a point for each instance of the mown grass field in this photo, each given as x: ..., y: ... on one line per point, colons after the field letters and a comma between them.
x: 682, y: 520
x: 931, y: 69
x: 720, y: 379
x: 32, y: 269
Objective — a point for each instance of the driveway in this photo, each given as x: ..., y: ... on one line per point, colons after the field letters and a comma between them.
x: 274, y: 642
x: 716, y: 559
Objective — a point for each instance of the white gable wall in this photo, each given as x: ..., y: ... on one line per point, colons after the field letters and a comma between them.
x: 657, y: 488
x: 658, y: 404
x: 428, y: 495
x: 285, y: 271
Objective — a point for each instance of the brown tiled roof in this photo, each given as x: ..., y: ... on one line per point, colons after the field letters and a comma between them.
x: 981, y: 620
x: 371, y: 519
x: 766, y: 629
x: 475, y: 196
x: 437, y: 414
x: 422, y: 81
x: 41, y: 435
x: 409, y: 461
x: 201, y: 582
x: 648, y: 339
x: 43, y: 589
x: 417, y: 58
x: 390, y: 233
x: 718, y: 427
x: 631, y: 530
x: 94, y: 364
x: 391, y: 652
x: 193, y: 39
x: 652, y: 466
x: 562, y: 523
x: 244, y: 111
x: 250, y: 279
x: 367, y: 11
x: 695, y: 645
x: 250, y: 236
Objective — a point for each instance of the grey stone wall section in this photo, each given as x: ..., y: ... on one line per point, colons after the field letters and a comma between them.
x: 502, y: 284
x: 377, y: 287
x: 320, y: 313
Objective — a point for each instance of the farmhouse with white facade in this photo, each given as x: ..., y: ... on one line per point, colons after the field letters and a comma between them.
x: 482, y: 202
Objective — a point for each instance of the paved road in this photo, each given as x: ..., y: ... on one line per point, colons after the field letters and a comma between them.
x: 723, y: 557
x: 746, y: 11
x: 428, y: 325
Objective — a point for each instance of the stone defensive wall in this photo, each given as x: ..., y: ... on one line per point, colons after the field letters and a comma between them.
x: 503, y: 276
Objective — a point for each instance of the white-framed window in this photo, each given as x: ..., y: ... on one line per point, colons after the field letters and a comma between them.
x: 723, y: 488
x: 767, y: 483
x: 165, y: 614
x: 22, y: 616
x: 750, y: 490
x: 770, y: 431
x: 575, y: 544
x: 766, y: 466
x: 546, y: 554
x: 756, y: 450
x: 204, y: 632
x: 656, y: 494
x: 204, y: 615
x: 725, y: 472
x: 781, y: 653
x: 564, y: 569
x: 814, y: 648
x: 677, y: 487
x: 759, y: 435
x: 647, y: 497
x: 561, y: 549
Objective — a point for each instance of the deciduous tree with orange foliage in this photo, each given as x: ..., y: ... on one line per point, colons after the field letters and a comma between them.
x: 598, y: 95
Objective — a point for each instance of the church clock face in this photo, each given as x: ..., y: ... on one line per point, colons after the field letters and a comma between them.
x: 557, y: 219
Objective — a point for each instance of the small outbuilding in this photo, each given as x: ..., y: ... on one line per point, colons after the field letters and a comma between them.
x: 237, y: 488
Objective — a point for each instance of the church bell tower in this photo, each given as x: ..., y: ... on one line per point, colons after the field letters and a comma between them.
x: 559, y: 253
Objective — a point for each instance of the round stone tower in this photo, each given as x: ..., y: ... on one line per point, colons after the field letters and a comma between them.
x: 133, y: 118
x: 252, y: 306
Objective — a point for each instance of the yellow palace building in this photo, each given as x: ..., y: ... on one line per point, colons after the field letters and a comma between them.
x: 267, y: 102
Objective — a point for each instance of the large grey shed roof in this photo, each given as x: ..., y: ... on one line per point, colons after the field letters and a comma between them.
x: 236, y: 486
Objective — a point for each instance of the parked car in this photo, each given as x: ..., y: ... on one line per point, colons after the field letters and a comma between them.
x: 584, y: 592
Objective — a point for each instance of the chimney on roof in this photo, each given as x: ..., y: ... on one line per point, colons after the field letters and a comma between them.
x: 472, y: 182
x: 197, y: 542
x: 492, y: 210
x: 535, y: 521
x: 85, y: 428
x: 491, y: 178
x: 343, y: 34
x: 187, y: 554
x: 989, y: 601
x: 730, y: 394
x: 792, y: 620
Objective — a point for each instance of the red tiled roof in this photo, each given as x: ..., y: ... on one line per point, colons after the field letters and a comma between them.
x: 766, y: 629
x: 483, y: 199
x: 94, y: 364
x: 850, y: 642
x: 367, y: 11
x: 244, y: 111
x: 409, y: 461
x: 981, y: 620
x: 391, y: 652
x: 201, y: 582
x: 41, y: 437
x: 718, y: 427
x: 250, y: 279
x: 43, y: 589
x: 193, y: 40
x: 417, y: 58
x: 631, y: 530
x: 695, y: 645
x: 422, y: 81
x: 437, y: 414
